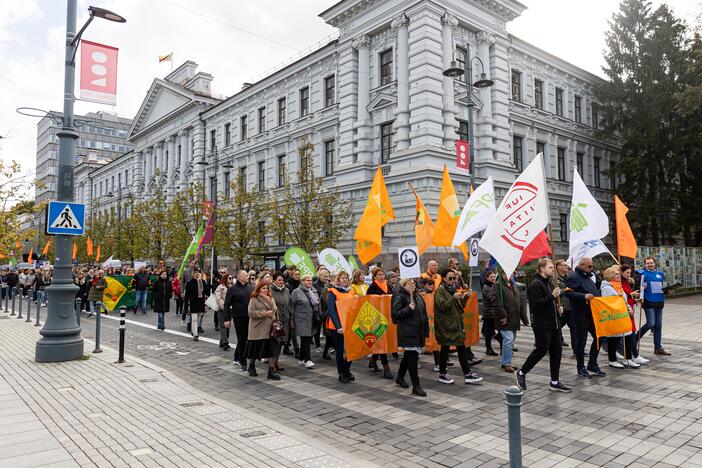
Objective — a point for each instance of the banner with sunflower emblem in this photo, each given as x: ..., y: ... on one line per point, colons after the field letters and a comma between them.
x: 368, y: 327
x: 119, y: 292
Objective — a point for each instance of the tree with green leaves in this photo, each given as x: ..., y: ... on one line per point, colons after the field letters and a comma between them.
x: 241, y: 226
x: 307, y: 214
x: 15, y: 206
x: 154, y: 214
x: 184, y: 218
x: 647, y: 54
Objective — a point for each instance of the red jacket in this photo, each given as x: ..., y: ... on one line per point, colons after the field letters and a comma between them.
x: 630, y: 300
x: 175, y: 287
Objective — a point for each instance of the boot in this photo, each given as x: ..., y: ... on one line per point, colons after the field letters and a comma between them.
x: 373, y: 365
x: 490, y: 352
x: 343, y: 378
x: 286, y: 350
x: 277, y: 367
x: 271, y: 375
x: 387, y: 373
x: 419, y: 391
x: 252, y: 371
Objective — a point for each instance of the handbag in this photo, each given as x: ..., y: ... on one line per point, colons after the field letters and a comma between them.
x: 211, y: 302
x: 277, y: 329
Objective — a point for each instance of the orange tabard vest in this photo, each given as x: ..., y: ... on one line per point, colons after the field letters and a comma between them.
x: 329, y: 323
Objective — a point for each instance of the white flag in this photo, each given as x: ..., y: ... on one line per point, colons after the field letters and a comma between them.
x: 588, y: 221
x: 588, y: 249
x: 334, y: 261
x: 477, y: 212
x: 522, y: 215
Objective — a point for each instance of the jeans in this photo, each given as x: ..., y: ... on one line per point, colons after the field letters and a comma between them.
x: 140, y: 301
x: 41, y: 297
x: 508, y: 337
x: 583, y: 326
x: 92, y: 308
x: 548, y: 340
x: 343, y: 366
x: 161, y: 321
x: 654, y: 321
x: 196, y: 318
x: 409, y: 362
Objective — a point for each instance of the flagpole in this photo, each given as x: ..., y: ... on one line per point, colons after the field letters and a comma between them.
x: 553, y: 259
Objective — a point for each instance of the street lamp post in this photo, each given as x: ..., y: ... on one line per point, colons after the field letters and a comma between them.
x: 454, y: 72
x: 215, y: 167
x: 61, y: 340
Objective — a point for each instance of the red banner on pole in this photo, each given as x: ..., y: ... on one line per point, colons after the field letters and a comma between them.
x: 98, y: 73
x: 462, y: 157
x: 207, y: 216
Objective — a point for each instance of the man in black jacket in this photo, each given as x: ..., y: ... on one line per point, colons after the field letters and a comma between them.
x: 544, y: 321
x: 236, y: 311
x: 581, y: 287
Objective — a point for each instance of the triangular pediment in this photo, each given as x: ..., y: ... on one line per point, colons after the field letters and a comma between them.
x: 161, y: 100
x: 382, y: 100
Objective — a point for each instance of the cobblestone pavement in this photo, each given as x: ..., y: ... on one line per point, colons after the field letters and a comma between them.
x: 645, y: 417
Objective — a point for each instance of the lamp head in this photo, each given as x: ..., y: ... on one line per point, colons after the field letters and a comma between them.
x: 453, y: 71
x: 106, y: 14
x: 483, y: 82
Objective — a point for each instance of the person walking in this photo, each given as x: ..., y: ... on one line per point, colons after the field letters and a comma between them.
x: 562, y: 272
x: 612, y: 286
x: 545, y: 323
x: 196, y: 292
x: 581, y: 288
x: 305, y: 305
x: 378, y: 287
x: 141, y: 283
x: 488, y: 313
x: 225, y: 282
x: 632, y: 297
x: 340, y: 289
x: 654, y: 300
x: 236, y: 313
x: 95, y: 295
x: 281, y: 296
x: 177, y: 289
x: 161, y: 294
x: 449, y: 328
x: 509, y: 310
x: 259, y: 344
x: 410, y: 315
x: 320, y: 285
x: 41, y: 281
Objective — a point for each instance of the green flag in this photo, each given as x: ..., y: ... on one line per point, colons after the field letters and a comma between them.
x: 353, y: 263
x: 192, y: 249
x: 301, y: 259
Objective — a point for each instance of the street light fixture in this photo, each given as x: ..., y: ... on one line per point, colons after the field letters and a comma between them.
x: 61, y: 340
x: 454, y: 71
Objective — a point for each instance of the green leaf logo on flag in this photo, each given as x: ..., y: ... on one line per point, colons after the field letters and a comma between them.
x: 577, y: 219
x: 301, y: 259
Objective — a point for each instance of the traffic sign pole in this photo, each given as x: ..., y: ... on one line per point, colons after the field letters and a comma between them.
x: 61, y: 340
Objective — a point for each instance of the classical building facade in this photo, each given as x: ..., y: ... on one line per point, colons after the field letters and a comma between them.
x: 376, y: 95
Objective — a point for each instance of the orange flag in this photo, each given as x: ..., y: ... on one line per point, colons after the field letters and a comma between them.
x: 31, y: 254
x: 423, y: 225
x: 378, y: 212
x: 89, y: 246
x: 471, y: 322
x: 449, y: 215
x: 45, y: 250
x: 18, y: 245
x: 626, y: 244
x: 97, y: 255
x: 368, y: 327
x: 75, y: 251
x: 610, y: 315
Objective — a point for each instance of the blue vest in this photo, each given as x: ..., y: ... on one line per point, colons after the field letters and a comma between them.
x: 654, y: 285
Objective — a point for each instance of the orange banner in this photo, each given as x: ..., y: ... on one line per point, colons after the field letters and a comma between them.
x: 610, y: 315
x: 471, y: 321
x: 368, y: 327
x: 430, y: 343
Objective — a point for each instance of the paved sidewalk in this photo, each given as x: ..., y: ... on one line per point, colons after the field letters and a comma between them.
x: 98, y: 413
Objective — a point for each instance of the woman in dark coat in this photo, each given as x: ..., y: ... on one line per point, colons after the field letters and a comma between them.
x: 196, y: 292
x: 410, y: 315
x: 161, y: 294
x: 488, y: 313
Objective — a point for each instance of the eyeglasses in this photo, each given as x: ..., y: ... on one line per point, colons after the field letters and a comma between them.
x: 450, y: 278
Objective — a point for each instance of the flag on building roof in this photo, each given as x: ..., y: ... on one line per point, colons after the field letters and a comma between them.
x: 165, y: 58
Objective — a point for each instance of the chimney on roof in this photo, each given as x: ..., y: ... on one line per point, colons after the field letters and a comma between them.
x: 246, y: 85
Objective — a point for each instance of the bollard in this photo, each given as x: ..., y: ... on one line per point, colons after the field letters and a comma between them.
x: 122, y: 331
x: 98, y: 306
x: 12, y: 291
x: 29, y: 308
x: 514, y: 420
x: 77, y: 305
x: 36, y: 324
x: 19, y: 308
x: 6, y: 290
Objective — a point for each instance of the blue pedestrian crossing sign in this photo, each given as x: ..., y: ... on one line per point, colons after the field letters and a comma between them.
x: 65, y: 218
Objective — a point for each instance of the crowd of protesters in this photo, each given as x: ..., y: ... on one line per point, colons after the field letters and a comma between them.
x: 276, y: 313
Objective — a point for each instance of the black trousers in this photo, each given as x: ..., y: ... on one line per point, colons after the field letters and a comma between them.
x: 223, y: 331
x: 241, y: 327
x: 305, y: 343
x: 548, y: 340
x: 383, y: 359
x: 613, y: 343
x: 462, y: 358
x: 409, y: 362
x: 179, y: 305
x: 583, y: 326
x: 488, y: 331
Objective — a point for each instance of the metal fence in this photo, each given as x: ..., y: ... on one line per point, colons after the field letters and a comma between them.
x: 681, y: 264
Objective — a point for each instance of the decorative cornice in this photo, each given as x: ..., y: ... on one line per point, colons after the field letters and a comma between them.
x: 399, y: 22
x: 361, y: 41
x: 485, y: 37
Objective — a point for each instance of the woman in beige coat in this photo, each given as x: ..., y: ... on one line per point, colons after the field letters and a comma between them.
x: 262, y: 312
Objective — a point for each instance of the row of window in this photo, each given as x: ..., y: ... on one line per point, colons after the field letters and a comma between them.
x: 105, y: 131
x: 109, y: 184
x: 539, y: 99
x: 282, y: 106
x: 102, y: 145
x: 518, y: 154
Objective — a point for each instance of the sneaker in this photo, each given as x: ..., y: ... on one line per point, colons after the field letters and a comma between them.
x: 631, y: 363
x: 616, y: 365
x: 661, y: 352
x: 445, y: 379
x: 584, y: 373
x: 436, y: 368
x: 641, y: 360
x: 558, y: 387
x: 472, y: 378
x: 309, y: 364
x: 596, y: 371
x: 521, y: 379
x: 619, y: 356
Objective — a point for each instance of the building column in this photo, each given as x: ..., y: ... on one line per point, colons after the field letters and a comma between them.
x: 199, y: 153
x: 485, y: 134
x: 184, y: 139
x: 402, y: 121
x: 148, y: 154
x: 362, y: 125
x: 171, y: 167
x: 448, y: 23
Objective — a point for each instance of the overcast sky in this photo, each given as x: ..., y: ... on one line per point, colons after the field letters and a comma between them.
x: 213, y: 34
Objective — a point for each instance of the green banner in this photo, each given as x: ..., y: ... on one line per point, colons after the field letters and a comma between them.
x: 353, y: 263
x: 301, y: 259
x: 120, y: 292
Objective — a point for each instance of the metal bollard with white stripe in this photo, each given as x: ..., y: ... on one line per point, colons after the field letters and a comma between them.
x: 122, y: 331
x: 99, y: 306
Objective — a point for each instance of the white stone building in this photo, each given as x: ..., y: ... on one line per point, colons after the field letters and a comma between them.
x: 377, y: 95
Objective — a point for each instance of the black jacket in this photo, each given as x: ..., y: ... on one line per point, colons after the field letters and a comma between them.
x: 489, y: 305
x: 542, y: 304
x: 412, y: 325
x: 196, y: 304
x: 141, y: 281
x: 509, y: 305
x: 580, y: 284
x: 236, y: 302
x: 374, y: 290
x: 162, y: 293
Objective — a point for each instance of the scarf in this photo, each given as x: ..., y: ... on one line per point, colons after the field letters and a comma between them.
x: 383, y: 285
x: 451, y: 289
x: 312, y: 295
x: 199, y: 288
x: 342, y: 289
x: 617, y: 285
